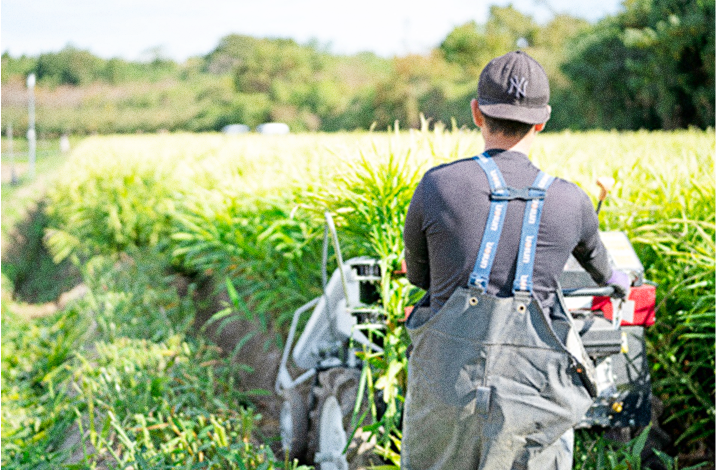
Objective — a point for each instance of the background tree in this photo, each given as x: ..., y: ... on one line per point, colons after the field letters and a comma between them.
x: 229, y: 53
x: 16, y: 68
x: 651, y: 66
x: 70, y: 66
x: 467, y: 46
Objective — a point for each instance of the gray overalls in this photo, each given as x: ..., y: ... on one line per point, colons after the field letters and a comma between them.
x: 492, y: 385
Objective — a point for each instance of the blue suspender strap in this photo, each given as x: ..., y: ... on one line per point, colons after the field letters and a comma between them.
x: 530, y: 230
x: 488, y: 247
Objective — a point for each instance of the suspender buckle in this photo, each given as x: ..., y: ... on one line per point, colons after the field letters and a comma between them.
x: 477, y: 282
x: 525, y: 194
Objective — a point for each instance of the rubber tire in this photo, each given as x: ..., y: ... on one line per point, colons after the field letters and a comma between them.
x: 341, y: 383
x: 332, y: 436
x: 294, y: 420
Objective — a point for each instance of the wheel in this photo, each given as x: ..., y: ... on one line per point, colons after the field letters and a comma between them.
x: 331, y: 437
x: 294, y: 425
x: 334, y: 398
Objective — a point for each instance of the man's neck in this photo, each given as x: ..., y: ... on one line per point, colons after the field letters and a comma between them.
x: 503, y: 142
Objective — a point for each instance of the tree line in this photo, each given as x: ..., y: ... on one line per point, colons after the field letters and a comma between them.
x: 651, y: 66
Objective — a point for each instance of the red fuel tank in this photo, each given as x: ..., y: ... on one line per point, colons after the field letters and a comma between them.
x: 640, y: 310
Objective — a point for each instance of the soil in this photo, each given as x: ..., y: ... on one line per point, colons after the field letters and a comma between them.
x: 258, y: 351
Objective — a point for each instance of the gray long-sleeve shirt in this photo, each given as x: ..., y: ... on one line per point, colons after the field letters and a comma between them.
x: 447, y: 217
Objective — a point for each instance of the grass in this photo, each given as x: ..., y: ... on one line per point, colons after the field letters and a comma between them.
x: 117, y: 379
x: 249, y: 209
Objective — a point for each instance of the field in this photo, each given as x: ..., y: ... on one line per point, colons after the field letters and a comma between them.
x: 148, y: 370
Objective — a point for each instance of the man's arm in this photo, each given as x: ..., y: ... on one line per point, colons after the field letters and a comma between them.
x: 590, y: 252
x: 416, y: 244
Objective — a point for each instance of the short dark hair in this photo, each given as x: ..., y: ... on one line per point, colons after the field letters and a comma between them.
x: 507, y: 127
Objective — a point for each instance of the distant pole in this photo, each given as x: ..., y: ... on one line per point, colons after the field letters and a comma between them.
x: 13, y: 174
x: 31, y: 135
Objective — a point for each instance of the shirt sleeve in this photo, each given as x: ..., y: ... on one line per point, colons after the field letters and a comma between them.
x: 416, y: 243
x: 590, y: 252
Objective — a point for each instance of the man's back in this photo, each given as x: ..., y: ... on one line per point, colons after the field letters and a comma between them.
x: 447, y: 219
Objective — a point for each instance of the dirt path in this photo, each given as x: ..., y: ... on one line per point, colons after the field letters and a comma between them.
x: 24, y: 256
x: 30, y: 310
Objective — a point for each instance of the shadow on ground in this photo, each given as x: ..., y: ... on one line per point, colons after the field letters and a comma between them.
x: 28, y: 265
x: 249, y: 343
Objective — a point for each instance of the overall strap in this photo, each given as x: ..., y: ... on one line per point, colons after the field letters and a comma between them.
x: 528, y: 238
x: 491, y: 237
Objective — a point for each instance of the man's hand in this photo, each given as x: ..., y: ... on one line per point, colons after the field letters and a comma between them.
x: 620, y: 282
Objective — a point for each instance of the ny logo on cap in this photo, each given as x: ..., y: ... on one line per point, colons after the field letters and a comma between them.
x: 518, y: 86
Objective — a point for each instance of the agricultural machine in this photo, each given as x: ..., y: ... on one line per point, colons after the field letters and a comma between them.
x: 318, y: 405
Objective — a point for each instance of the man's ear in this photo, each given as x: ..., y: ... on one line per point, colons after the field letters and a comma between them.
x: 477, y: 116
x: 540, y: 127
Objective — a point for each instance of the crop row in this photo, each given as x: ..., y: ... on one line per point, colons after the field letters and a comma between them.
x: 249, y: 209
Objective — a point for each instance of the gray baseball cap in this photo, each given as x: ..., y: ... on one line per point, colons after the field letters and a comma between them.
x: 515, y: 87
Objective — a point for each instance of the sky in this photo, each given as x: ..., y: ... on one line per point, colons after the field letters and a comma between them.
x: 179, y: 29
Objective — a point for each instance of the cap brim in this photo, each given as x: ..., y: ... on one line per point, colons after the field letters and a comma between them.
x: 516, y: 113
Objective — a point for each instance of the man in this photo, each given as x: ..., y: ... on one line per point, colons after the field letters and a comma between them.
x: 491, y: 381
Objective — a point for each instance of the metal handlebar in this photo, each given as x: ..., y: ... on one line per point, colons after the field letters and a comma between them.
x: 331, y: 229
x: 284, y: 380
x: 607, y: 291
